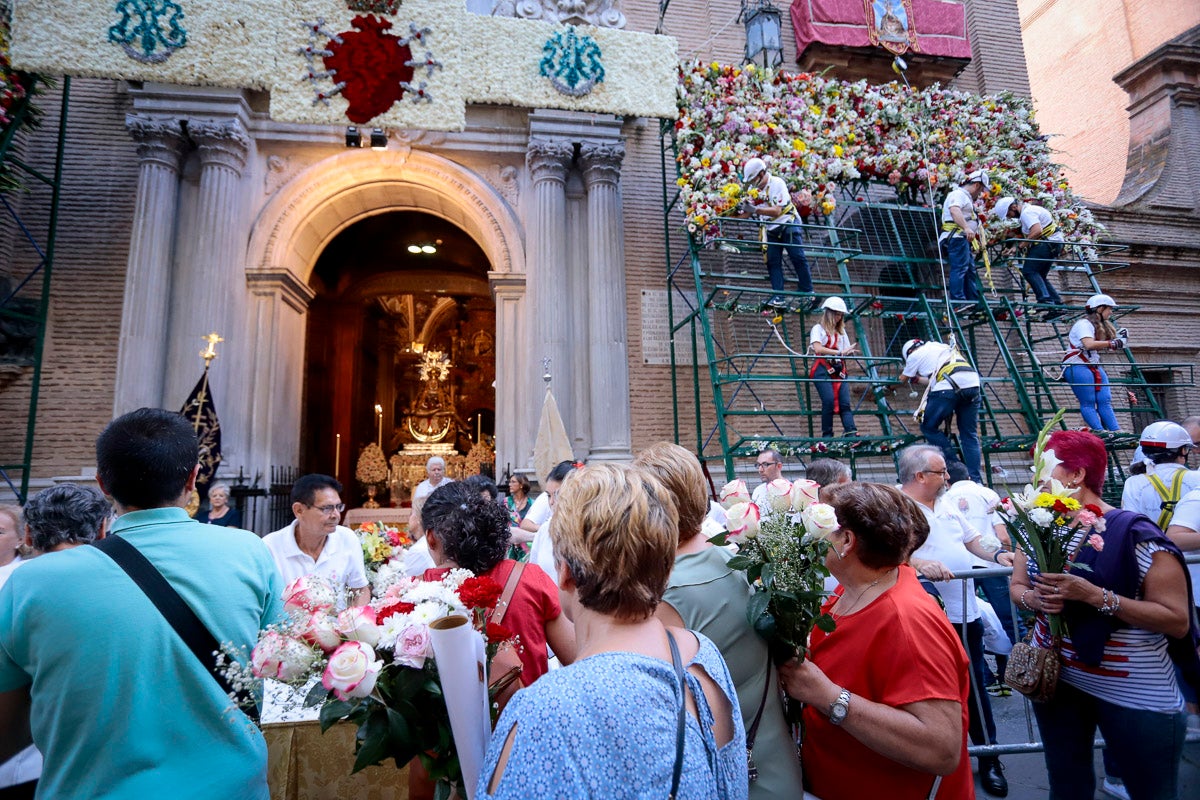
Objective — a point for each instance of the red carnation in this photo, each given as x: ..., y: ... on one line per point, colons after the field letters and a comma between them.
x: 1061, y: 507
x: 392, y: 610
x: 480, y: 592
x: 1095, y: 509
x: 498, y: 633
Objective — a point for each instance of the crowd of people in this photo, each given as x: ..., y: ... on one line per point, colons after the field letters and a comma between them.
x: 641, y: 672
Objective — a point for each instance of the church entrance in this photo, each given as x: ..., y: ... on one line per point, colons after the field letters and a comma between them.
x: 401, y: 352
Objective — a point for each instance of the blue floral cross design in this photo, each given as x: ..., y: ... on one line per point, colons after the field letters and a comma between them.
x: 572, y: 63
x: 140, y: 31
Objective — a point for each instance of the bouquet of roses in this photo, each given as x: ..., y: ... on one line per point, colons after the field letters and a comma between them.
x: 781, y: 548
x: 1047, y: 523
x: 375, y: 663
x: 381, y: 544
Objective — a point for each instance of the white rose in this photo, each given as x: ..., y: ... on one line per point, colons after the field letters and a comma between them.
x: 309, y: 593
x: 804, y: 494
x: 281, y: 657
x: 779, y: 494
x: 352, y: 671
x: 358, y: 623
x: 1042, y: 517
x: 820, y: 520
x: 733, y: 493
x: 743, y: 522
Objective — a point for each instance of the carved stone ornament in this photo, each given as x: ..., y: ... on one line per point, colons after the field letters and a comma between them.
x: 506, y: 180
x: 600, y: 13
x: 159, y: 140
x: 601, y: 161
x: 222, y: 143
x: 548, y: 159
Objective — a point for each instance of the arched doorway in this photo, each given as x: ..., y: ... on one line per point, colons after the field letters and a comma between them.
x: 400, y: 344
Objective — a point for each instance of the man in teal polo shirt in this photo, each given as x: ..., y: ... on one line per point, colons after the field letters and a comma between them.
x: 117, y: 703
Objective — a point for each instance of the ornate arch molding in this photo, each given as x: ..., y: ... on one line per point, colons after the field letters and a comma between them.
x: 322, y: 200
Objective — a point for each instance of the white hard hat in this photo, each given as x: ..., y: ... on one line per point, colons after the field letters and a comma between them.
x: 978, y: 176
x: 1097, y: 300
x: 910, y: 345
x: 753, y: 168
x: 836, y: 304
x: 1165, y: 434
x: 1002, y: 206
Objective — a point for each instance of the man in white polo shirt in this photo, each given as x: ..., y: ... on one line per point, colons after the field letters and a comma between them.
x: 316, y: 544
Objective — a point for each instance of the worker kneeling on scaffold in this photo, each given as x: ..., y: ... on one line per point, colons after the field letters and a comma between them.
x: 960, y: 235
x: 951, y: 390
x: 1042, y: 251
x: 774, y: 204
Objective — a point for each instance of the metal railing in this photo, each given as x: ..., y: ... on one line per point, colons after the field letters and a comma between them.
x: 1033, y: 744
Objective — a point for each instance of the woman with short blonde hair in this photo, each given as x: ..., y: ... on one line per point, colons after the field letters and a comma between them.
x: 614, y: 716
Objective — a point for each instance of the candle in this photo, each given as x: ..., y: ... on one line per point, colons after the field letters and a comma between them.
x: 379, y: 416
x: 337, y: 456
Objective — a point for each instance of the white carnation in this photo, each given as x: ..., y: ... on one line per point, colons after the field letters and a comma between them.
x: 1042, y: 517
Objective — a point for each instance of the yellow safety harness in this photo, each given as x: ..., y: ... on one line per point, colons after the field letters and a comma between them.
x: 978, y: 245
x: 1169, y: 497
x: 1047, y: 230
x: 790, y: 208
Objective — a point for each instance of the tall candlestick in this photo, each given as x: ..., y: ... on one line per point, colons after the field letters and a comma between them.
x: 379, y: 417
x: 337, y: 456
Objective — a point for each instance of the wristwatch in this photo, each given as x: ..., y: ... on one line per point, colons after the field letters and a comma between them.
x: 839, y: 708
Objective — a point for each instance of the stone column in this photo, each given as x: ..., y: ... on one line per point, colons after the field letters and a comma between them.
x: 142, y: 352
x: 606, y: 317
x: 209, y: 292
x: 549, y: 291
x: 513, y: 362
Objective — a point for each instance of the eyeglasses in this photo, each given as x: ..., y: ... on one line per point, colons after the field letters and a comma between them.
x: 945, y: 473
x: 764, y: 464
x: 327, y: 510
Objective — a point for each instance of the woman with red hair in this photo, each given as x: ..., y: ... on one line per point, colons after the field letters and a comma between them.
x: 1126, y: 607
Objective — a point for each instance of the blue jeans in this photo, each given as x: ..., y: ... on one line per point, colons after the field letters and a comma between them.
x: 962, y: 268
x: 939, y: 407
x: 1039, y: 260
x: 845, y: 411
x: 1095, y: 404
x: 1146, y: 746
x: 788, y: 238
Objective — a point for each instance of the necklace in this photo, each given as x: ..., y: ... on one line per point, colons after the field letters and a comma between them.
x: 860, y: 595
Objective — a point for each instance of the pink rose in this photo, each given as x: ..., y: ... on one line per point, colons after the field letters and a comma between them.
x: 733, y: 493
x: 281, y: 657
x: 321, y: 630
x: 359, y: 624
x: 352, y: 671
x: 413, y: 646
x: 804, y: 494
x: 779, y: 494
x: 309, y: 593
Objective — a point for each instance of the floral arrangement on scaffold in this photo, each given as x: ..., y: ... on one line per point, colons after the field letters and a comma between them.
x: 1047, y: 524
x: 374, y: 666
x: 382, y: 544
x: 781, y: 548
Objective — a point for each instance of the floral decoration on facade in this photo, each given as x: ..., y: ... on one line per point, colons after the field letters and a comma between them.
x: 572, y: 63
x: 13, y: 85
x: 374, y: 6
x: 373, y: 665
x: 370, y: 67
x: 149, y: 31
x: 819, y: 134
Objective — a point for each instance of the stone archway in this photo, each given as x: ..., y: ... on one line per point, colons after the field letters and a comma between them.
x: 306, y: 214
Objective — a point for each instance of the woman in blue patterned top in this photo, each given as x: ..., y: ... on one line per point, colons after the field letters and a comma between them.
x: 606, y: 726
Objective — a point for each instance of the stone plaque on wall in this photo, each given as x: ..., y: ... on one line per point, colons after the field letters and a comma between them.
x: 656, y: 330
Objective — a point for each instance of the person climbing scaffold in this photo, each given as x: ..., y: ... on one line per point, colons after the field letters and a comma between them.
x: 1081, y: 364
x: 961, y: 235
x: 1044, y: 244
x: 780, y: 232
x: 952, y: 391
x: 829, y: 341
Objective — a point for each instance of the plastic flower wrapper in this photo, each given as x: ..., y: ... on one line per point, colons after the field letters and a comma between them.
x: 783, y: 556
x: 1047, y: 523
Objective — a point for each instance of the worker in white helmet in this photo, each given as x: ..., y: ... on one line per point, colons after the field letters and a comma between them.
x: 830, y: 342
x: 1155, y: 493
x: 1081, y: 365
x: 773, y: 203
x: 1044, y: 247
x: 953, y: 392
x: 960, y: 229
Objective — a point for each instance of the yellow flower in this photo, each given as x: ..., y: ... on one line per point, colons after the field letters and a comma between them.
x: 837, y: 150
x: 705, y: 162
x: 681, y: 181
x: 799, y: 144
x: 827, y: 206
x: 731, y: 190
x: 1044, y: 500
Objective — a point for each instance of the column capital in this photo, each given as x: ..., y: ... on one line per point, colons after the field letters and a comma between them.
x: 549, y: 159
x: 158, y: 140
x: 282, y: 282
x: 223, y: 144
x: 601, y: 162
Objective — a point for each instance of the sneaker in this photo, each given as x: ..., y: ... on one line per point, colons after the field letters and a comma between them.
x: 778, y: 301
x: 1114, y: 787
x: 1055, y: 313
x: 999, y: 689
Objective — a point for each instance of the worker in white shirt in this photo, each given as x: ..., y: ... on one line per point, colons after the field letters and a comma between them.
x: 960, y: 232
x: 1044, y: 247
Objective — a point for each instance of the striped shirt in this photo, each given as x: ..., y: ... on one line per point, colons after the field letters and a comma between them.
x: 1135, y: 671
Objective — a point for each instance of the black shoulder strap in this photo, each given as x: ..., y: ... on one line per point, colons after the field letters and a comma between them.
x: 681, y: 717
x: 178, y: 613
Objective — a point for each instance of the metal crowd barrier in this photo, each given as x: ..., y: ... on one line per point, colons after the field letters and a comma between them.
x: 1033, y: 745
